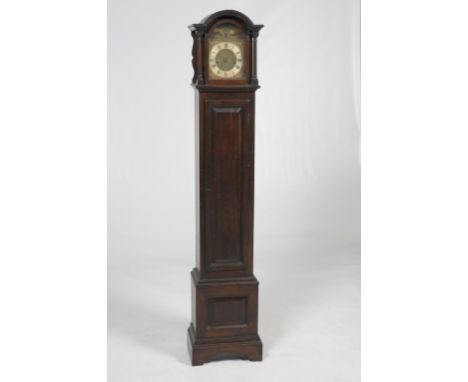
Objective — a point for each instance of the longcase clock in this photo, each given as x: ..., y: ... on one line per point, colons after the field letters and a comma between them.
x: 224, y: 288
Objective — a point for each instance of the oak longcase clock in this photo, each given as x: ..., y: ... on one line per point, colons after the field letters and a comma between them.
x: 224, y: 288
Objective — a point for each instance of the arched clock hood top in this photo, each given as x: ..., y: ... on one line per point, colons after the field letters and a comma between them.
x: 209, y: 20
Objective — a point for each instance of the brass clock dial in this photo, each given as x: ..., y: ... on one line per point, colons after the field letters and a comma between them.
x: 225, y: 59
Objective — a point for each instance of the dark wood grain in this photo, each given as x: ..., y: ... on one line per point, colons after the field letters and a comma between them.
x: 224, y: 288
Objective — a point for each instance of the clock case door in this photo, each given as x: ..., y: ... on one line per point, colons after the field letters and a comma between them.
x: 225, y: 176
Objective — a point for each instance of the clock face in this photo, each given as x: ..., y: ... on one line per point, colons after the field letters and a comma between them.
x: 225, y: 59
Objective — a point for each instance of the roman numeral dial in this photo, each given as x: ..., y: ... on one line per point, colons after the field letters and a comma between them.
x: 225, y: 59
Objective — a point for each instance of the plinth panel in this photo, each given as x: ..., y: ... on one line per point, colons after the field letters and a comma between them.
x: 227, y: 311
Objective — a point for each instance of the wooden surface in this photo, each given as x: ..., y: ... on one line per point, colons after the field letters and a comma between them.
x: 224, y: 288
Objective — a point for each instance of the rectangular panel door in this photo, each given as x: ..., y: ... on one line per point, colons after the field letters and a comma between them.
x: 228, y: 189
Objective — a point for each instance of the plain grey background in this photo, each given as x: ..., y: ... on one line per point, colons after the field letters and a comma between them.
x: 307, y: 190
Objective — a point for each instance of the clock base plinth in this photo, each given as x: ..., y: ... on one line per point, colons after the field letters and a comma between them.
x: 248, y: 348
x: 224, y: 319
